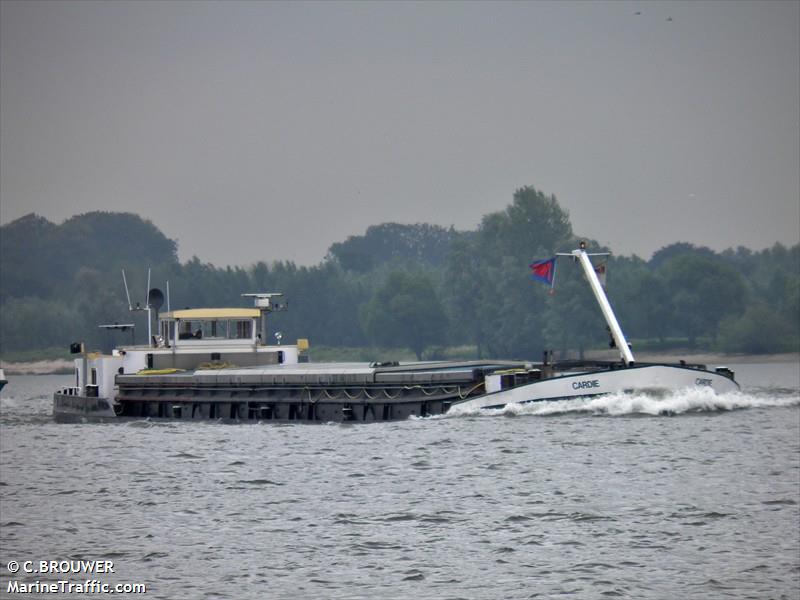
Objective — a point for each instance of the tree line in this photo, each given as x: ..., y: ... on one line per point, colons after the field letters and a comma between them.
x: 421, y: 287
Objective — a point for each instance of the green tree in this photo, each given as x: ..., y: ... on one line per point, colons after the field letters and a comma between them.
x: 703, y: 292
x: 662, y: 256
x: 58, y: 282
x: 759, y: 330
x: 465, y: 278
x: 25, y: 251
x: 405, y: 312
x: 38, y: 258
x: 419, y: 243
x: 33, y: 323
x: 487, y: 277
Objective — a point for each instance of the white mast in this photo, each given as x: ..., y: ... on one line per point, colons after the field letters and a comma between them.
x: 147, y: 308
x: 616, y: 331
x: 125, y: 281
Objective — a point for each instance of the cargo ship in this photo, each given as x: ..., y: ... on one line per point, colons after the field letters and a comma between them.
x: 216, y: 364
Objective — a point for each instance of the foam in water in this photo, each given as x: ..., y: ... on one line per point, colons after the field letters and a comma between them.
x: 679, y: 402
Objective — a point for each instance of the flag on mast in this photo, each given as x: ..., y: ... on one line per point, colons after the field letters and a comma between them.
x: 601, y: 273
x: 544, y: 270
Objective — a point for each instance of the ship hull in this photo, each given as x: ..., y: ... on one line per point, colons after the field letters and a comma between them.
x: 268, y: 397
x: 584, y: 384
x: 234, y: 408
x: 72, y: 407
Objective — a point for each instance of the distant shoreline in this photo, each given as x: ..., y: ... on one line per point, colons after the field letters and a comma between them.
x: 38, y: 367
x: 64, y: 367
x: 712, y: 358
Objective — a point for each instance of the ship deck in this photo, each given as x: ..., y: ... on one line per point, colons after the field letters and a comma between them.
x: 327, y: 374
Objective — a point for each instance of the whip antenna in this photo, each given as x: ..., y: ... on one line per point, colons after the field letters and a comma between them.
x: 127, y: 293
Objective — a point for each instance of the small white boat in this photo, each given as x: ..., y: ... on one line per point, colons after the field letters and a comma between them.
x: 3, y: 380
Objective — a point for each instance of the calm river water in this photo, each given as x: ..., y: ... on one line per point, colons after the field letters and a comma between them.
x: 690, y: 496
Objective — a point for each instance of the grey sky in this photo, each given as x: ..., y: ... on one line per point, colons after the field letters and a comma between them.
x: 263, y: 130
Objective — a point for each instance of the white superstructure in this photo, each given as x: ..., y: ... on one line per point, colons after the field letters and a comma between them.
x: 211, y: 338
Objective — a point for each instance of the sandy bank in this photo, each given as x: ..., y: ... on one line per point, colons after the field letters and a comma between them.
x: 39, y: 367
x: 708, y: 358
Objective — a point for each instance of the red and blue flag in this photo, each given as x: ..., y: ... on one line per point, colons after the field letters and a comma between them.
x: 544, y: 270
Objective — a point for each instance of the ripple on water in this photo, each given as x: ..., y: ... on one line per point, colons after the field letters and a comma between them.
x: 580, y: 499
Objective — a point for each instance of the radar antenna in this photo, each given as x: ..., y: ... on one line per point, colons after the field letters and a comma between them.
x: 264, y: 303
x: 154, y: 299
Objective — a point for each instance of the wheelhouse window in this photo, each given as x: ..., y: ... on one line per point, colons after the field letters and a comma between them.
x: 213, y: 330
x: 186, y: 331
x: 244, y: 329
x: 216, y: 329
